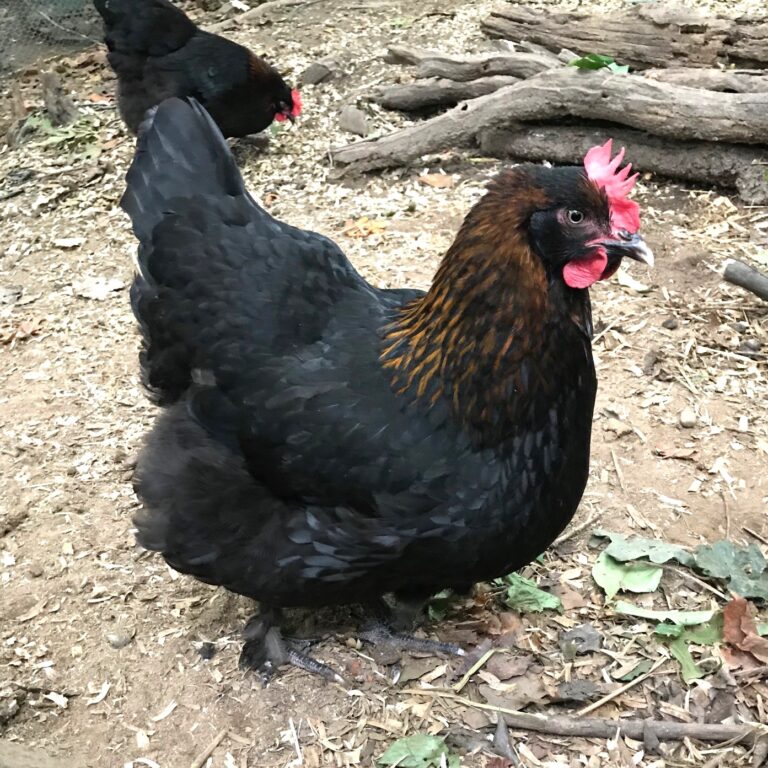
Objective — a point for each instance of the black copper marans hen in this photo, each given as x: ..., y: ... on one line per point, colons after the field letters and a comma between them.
x: 157, y: 52
x: 325, y: 441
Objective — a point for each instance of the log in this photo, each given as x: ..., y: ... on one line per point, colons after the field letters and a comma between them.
x: 462, y: 68
x: 630, y: 100
x: 733, y: 80
x: 726, y: 165
x: 741, y: 274
x: 643, y: 35
x: 436, y: 92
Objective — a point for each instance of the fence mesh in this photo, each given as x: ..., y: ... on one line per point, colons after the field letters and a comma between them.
x: 34, y: 29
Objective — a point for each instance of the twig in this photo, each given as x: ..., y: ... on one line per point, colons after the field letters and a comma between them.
x: 624, y: 688
x: 602, y: 728
x: 755, y: 534
x: 253, y: 14
x: 696, y: 580
x: 571, y: 532
x: 759, y: 671
x: 727, y: 514
x: 479, y: 664
x: 199, y: 761
x: 619, y: 473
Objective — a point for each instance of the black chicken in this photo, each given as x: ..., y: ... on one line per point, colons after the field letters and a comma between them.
x: 157, y: 52
x: 326, y: 441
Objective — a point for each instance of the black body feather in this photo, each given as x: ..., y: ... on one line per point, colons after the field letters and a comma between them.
x: 298, y: 461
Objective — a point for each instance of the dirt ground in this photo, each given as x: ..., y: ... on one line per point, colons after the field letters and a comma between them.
x: 105, y: 653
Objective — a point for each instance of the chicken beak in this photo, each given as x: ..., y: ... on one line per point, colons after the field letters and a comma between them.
x: 631, y: 245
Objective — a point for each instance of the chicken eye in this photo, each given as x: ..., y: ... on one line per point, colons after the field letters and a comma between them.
x: 575, y: 217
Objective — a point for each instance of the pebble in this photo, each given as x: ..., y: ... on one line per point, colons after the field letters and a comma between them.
x: 120, y: 639
x: 320, y: 71
x: 687, y: 418
x: 353, y: 120
x: 670, y: 324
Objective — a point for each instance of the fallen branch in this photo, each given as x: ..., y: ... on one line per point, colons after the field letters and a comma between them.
x: 202, y: 758
x: 462, y: 68
x: 435, y: 92
x: 643, y: 35
x: 734, y: 80
x: 719, y: 164
x: 743, y: 275
x: 649, y: 731
x: 660, y: 108
x: 254, y: 14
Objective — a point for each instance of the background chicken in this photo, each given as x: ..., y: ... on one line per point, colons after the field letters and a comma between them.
x: 325, y: 441
x: 157, y: 52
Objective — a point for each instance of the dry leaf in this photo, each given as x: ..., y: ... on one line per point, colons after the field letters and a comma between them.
x: 23, y: 331
x: 97, y: 288
x: 740, y: 629
x: 437, y: 180
x: 363, y: 227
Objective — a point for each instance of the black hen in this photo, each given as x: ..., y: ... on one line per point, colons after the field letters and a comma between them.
x: 326, y: 441
x: 157, y: 52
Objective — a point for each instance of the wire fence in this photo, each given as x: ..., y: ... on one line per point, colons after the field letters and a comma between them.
x: 31, y: 30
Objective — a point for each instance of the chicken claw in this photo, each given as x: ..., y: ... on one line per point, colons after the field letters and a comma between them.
x: 264, y: 650
x: 379, y: 633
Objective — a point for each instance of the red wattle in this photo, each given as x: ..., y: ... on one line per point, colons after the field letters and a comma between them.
x: 581, y: 273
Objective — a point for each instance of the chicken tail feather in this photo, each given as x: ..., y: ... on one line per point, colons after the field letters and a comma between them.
x: 180, y: 151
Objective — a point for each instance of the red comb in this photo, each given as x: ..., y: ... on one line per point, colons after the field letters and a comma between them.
x: 617, y: 183
x: 296, y: 96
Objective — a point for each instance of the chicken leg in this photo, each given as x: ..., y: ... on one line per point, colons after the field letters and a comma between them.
x: 388, y: 626
x: 265, y: 649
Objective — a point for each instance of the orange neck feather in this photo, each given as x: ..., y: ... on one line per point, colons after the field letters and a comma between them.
x: 469, y: 337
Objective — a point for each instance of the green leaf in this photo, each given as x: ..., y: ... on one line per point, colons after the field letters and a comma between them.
x: 743, y: 568
x: 683, y: 618
x: 523, y: 595
x: 689, y: 669
x: 619, y: 69
x: 614, y: 576
x: 418, y: 751
x: 669, y: 630
x: 592, y: 61
x: 706, y: 634
x: 639, y: 669
x: 438, y: 605
x: 624, y: 548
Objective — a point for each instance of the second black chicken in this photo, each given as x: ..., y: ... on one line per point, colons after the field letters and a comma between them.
x: 325, y: 441
x: 157, y: 52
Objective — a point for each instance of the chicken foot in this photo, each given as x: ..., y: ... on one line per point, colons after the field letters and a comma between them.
x: 385, y: 629
x: 265, y: 649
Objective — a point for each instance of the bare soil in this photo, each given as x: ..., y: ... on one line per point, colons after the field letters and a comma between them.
x: 102, y: 646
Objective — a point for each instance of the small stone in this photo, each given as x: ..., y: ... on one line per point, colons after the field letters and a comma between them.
x: 578, y: 691
x: 35, y: 570
x: 353, y: 120
x: 671, y: 324
x: 687, y: 418
x: 206, y: 650
x: 320, y: 72
x: 120, y: 639
x: 579, y: 640
x: 750, y: 346
x: 620, y: 428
